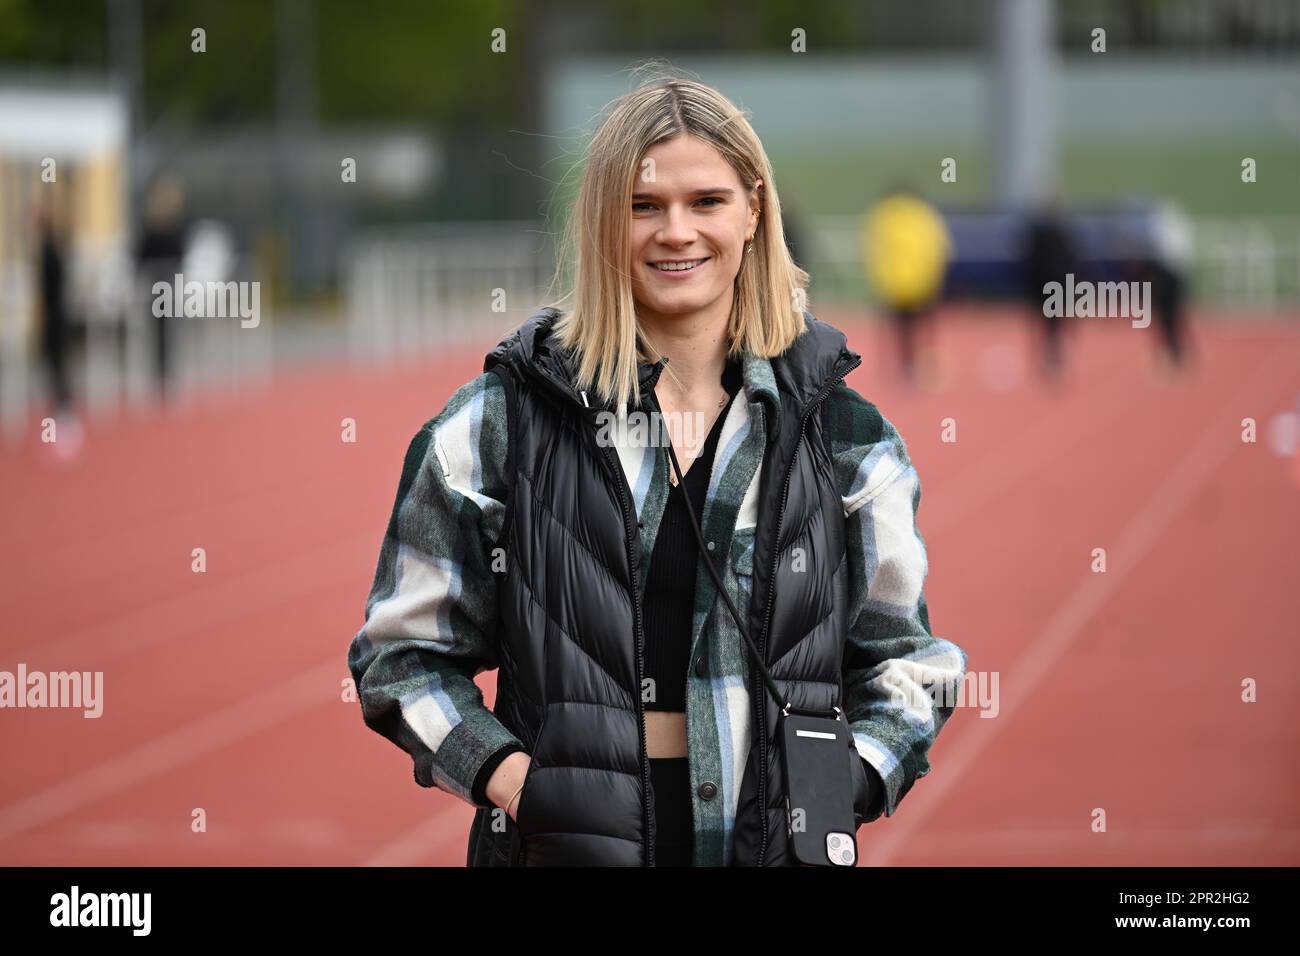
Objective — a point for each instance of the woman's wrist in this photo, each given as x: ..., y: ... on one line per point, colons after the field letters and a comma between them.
x: 506, y: 785
x: 512, y: 804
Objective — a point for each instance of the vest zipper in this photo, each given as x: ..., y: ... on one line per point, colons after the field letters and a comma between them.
x: 759, y: 687
x: 647, y: 821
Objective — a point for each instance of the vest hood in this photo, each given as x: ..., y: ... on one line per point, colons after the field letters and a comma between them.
x: 816, y: 358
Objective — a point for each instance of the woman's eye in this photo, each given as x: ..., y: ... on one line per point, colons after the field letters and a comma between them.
x: 712, y: 200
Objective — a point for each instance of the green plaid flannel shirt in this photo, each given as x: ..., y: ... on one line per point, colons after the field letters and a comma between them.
x: 430, y: 618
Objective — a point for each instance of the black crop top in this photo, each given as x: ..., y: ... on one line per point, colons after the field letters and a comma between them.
x: 670, y: 585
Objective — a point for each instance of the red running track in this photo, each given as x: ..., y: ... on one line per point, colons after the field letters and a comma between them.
x: 1117, y: 692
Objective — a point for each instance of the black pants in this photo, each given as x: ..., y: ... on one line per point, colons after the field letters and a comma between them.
x: 162, y: 355
x: 55, y: 355
x: 670, y: 778
x: 906, y: 322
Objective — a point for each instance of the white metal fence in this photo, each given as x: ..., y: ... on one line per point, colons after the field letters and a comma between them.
x: 412, y: 289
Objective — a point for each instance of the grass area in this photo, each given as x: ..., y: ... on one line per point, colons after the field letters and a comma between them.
x: 1203, y: 177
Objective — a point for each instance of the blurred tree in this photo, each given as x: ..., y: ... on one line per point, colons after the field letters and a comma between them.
x: 55, y: 32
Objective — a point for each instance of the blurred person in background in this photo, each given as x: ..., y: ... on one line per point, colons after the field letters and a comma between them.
x: 905, y: 250
x: 1047, y: 254
x: 56, y: 331
x: 1162, y: 259
x: 159, y: 255
x: 534, y: 530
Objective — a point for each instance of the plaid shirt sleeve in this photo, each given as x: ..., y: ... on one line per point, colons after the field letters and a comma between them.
x: 899, y: 679
x: 430, y: 619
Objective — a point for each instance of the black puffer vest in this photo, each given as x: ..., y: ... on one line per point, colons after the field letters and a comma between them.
x: 570, y: 624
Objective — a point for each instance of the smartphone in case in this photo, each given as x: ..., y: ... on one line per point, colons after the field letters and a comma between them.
x: 819, y: 790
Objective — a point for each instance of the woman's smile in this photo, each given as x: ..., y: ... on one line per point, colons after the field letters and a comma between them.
x: 679, y: 268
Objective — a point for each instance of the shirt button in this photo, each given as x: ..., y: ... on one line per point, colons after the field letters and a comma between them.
x: 701, y: 666
x: 710, y: 545
x: 708, y: 790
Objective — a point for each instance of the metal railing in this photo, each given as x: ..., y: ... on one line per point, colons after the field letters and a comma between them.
x: 411, y: 289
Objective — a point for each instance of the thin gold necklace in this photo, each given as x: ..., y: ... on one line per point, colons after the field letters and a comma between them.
x: 722, y: 402
x: 668, y: 368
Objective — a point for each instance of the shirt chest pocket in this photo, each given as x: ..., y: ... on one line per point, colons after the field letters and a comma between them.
x: 740, y: 580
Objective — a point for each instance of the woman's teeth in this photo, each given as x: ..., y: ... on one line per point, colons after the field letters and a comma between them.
x: 677, y: 266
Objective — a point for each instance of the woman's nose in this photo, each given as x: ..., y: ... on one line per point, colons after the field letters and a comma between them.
x: 677, y: 227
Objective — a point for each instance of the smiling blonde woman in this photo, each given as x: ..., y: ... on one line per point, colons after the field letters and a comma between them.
x: 629, y: 727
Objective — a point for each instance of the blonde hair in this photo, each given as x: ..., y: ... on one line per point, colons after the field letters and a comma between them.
x: 600, y: 332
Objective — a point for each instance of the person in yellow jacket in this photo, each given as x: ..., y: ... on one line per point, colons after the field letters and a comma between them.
x: 905, y: 252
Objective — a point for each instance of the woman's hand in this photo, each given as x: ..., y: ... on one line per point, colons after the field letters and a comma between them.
x: 506, y: 779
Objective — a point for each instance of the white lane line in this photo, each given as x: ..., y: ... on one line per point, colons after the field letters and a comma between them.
x: 1137, y: 538
x: 282, y: 700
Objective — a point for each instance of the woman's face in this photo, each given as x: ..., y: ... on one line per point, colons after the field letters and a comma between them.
x: 688, y: 205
